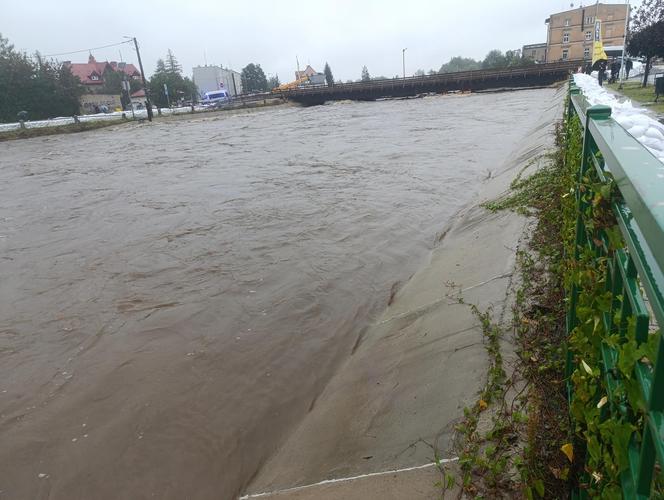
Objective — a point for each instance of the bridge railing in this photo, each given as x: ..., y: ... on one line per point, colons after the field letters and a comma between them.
x: 616, y: 168
x: 443, y: 77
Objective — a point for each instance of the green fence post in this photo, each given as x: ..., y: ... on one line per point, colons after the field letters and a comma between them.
x: 598, y: 112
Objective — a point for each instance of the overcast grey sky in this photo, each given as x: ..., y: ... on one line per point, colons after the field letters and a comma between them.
x: 348, y: 34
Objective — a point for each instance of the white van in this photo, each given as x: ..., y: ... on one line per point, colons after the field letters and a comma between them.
x: 215, y: 97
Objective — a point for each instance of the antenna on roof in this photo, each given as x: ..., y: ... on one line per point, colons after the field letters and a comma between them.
x: 205, y: 57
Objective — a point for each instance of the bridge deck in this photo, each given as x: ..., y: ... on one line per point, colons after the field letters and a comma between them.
x: 518, y: 77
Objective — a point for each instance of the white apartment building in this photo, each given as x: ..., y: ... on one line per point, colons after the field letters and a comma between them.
x: 210, y: 78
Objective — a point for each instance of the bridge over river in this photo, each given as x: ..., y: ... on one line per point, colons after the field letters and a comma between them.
x: 518, y: 77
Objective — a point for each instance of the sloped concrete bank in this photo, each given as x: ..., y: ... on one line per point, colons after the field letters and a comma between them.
x: 393, y: 405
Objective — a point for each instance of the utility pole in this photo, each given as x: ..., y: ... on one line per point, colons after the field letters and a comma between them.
x: 145, y: 86
x: 403, y: 60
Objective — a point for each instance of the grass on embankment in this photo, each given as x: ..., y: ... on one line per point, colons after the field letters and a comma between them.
x: 644, y: 96
x: 72, y: 128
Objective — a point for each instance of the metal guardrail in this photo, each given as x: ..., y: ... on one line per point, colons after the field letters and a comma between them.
x: 634, y: 278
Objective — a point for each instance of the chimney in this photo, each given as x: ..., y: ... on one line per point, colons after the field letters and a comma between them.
x: 91, y: 59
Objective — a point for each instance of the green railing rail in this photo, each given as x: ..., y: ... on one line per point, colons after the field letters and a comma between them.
x: 634, y: 276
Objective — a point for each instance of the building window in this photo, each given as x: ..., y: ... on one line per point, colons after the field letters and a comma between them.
x: 565, y: 54
x: 567, y: 21
x: 586, y: 53
x: 589, y: 35
x: 94, y: 78
x: 533, y: 54
x: 590, y: 19
x: 566, y: 37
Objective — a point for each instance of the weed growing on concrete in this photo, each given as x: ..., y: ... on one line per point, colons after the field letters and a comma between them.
x: 486, y: 434
x: 521, y: 452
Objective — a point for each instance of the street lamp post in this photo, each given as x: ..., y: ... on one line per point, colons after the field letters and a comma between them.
x: 403, y: 60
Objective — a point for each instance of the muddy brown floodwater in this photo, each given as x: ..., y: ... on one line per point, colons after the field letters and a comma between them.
x: 174, y: 296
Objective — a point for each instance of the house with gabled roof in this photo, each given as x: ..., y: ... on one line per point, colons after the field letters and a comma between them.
x: 308, y: 71
x: 92, y: 73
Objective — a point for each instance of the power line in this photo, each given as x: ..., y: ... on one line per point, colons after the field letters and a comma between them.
x: 88, y: 50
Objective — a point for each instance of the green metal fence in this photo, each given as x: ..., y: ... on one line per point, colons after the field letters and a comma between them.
x: 634, y: 276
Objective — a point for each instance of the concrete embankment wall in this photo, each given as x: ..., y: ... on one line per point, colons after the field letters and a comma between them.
x: 399, y: 395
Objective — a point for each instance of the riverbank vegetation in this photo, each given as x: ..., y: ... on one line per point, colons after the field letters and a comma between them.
x: 517, y: 440
x: 495, y: 59
x: 44, y: 88
x: 571, y: 441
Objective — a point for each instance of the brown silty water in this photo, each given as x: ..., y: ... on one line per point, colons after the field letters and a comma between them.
x: 175, y: 296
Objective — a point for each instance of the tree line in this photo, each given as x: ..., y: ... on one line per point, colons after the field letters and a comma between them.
x: 495, y: 59
x: 646, y: 38
x: 44, y: 88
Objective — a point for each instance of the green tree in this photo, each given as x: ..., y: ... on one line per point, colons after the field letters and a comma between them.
x: 253, y: 78
x: 459, y: 63
x: 365, y: 74
x: 43, y: 88
x: 644, y: 35
x: 171, y: 64
x: 419, y: 72
x: 273, y: 82
x: 647, y: 43
x: 329, y: 79
x: 113, y: 85
x: 647, y: 14
x: 494, y: 60
x: 170, y: 75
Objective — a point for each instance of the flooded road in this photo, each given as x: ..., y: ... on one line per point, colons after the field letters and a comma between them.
x: 175, y: 296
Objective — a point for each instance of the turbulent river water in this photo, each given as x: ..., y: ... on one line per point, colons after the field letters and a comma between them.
x: 176, y: 295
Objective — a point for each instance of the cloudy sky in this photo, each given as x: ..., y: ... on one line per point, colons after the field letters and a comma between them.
x: 348, y: 34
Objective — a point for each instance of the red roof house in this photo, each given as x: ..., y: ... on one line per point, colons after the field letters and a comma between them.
x: 92, y: 72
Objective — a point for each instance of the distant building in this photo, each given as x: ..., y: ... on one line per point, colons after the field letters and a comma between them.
x: 308, y: 71
x: 317, y: 79
x: 92, y: 73
x: 535, y: 52
x: 570, y: 33
x: 211, y: 78
x: 138, y: 98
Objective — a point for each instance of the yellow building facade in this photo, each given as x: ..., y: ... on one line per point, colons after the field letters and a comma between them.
x: 570, y: 33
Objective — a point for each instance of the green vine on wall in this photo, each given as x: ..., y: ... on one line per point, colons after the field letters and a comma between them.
x: 603, y: 419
